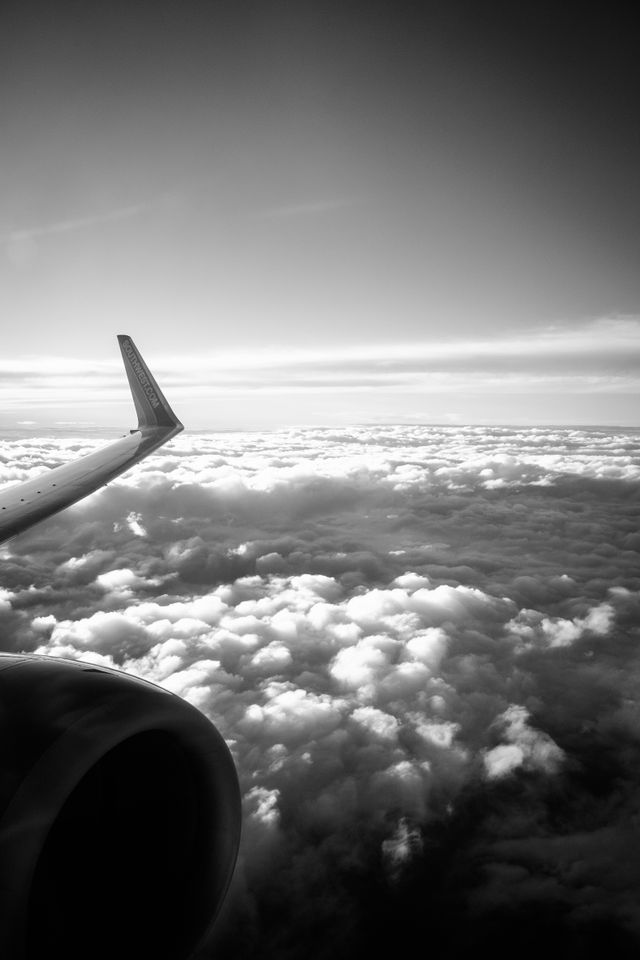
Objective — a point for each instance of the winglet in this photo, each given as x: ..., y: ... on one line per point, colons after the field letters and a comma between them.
x: 151, y: 405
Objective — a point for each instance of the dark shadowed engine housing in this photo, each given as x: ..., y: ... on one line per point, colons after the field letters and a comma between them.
x: 119, y: 815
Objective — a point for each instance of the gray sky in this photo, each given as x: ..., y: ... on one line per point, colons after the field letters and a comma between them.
x: 320, y: 212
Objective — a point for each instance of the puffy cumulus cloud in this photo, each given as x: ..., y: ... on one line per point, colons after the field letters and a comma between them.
x: 524, y: 746
x: 383, y: 725
x: 119, y: 581
x: 421, y: 645
x: 531, y: 627
x: 400, y: 848
x: 291, y: 714
x: 109, y: 635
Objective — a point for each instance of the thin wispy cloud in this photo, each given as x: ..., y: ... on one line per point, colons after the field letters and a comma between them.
x: 604, y: 337
x: 21, y: 246
x: 74, y: 223
x: 598, y: 358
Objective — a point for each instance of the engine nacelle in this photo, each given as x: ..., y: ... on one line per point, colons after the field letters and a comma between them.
x: 119, y: 815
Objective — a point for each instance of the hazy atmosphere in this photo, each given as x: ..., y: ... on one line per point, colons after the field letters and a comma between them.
x: 311, y: 212
x: 382, y: 259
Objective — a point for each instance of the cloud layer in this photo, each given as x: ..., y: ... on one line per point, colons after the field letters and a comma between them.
x: 422, y: 647
x: 371, y: 380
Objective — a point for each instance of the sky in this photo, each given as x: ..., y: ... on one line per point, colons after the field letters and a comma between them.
x: 421, y: 645
x: 405, y: 235
x: 320, y: 213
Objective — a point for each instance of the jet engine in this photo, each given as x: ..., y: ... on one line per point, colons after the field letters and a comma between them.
x: 119, y: 815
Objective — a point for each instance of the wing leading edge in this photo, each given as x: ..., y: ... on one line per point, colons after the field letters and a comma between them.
x: 24, y: 504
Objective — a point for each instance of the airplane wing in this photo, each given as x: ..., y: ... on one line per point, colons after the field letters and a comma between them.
x: 24, y: 504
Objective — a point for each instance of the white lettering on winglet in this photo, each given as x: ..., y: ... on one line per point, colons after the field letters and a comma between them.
x: 143, y: 379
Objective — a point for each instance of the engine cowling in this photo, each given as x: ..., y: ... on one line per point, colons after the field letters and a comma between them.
x: 119, y: 815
